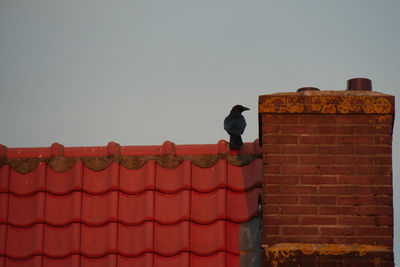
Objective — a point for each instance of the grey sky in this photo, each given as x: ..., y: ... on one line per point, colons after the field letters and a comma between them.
x: 84, y: 73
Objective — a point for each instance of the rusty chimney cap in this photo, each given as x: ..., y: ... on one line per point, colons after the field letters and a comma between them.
x: 303, y: 89
x: 359, y: 84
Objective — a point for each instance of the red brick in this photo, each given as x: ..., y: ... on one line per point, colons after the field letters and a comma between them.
x: 333, y: 231
x: 382, y: 149
x: 280, y: 199
x: 387, y: 241
x: 379, y: 129
x: 280, y: 159
x: 299, y: 210
x: 299, y: 169
x: 279, y: 119
x: 357, y: 180
x: 317, y: 200
x: 365, y: 170
x: 371, y: 231
x: 384, y: 119
x: 317, y: 119
x: 383, y: 170
x: 271, y: 149
x: 356, y: 200
x: 271, y: 128
x: 355, y: 119
x: 280, y: 139
x: 383, y: 180
x: 317, y: 139
x: 293, y: 230
x: 298, y: 149
x: 356, y: 159
x: 298, y: 189
x: 375, y: 210
x: 318, y: 179
x: 365, y: 140
x: 384, y: 220
x: 317, y: 159
x: 281, y: 179
x: 280, y: 220
x: 299, y: 129
x: 337, y: 170
x: 336, y: 149
x: 336, y: 210
x: 336, y: 129
x: 271, y: 189
x: 338, y: 190
x: 318, y: 220
x: 272, y: 230
x: 356, y: 220
x: 272, y: 169
x: 384, y: 200
x: 378, y: 190
x: 383, y: 160
x: 270, y: 209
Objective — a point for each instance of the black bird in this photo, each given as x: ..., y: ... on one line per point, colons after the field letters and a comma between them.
x: 234, y: 125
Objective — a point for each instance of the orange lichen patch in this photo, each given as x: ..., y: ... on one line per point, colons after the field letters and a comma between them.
x: 328, y: 102
x: 282, y: 251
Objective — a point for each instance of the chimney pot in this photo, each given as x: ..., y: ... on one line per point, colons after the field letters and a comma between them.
x: 359, y: 84
x: 303, y: 89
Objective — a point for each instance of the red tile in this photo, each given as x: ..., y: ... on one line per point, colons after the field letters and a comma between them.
x: 134, y: 240
x: 171, y: 239
x: 134, y: 209
x: 242, y: 206
x: 28, y: 152
x: 25, y: 184
x: 71, y: 260
x: 209, y: 238
x: 106, y: 261
x: 100, y: 209
x: 245, y: 177
x: 3, y: 236
x: 97, y: 241
x: 181, y: 259
x: 202, y: 149
x: 233, y: 260
x: 233, y: 237
x: 208, y: 207
x: 2, y: 261
x: 24, y: 242
x: 140, y: 150
x: 4, y: 178
x: 61, y: 241
x: 136, y: 181
x: 4, y: 207
x: 209, y: 179
x: 97, y: 182
x: 143, y: 260
x: 65, y: 182
x: 24, y: 211
x: 92, y: 151
x: 35, y: 261
x: 62, y: 210
x: 172, y: 208
x: 217, y: 259
x: 173, y: 180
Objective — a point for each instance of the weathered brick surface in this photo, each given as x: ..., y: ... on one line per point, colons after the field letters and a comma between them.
x: 327, y: 168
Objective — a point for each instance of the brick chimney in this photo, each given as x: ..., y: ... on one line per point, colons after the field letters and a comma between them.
x: 327, y: 188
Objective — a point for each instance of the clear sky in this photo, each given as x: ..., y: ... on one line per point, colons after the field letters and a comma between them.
x: 86, y: 72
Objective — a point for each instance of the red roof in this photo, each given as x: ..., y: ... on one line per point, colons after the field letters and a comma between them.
x: 169, y: 205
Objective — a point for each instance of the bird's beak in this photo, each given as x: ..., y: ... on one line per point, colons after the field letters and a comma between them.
x: 246, y: 108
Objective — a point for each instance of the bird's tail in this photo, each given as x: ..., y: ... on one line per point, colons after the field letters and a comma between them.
x: 235, y: 142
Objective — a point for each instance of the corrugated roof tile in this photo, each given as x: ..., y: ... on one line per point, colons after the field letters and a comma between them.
x: 65, y: 182
x: 22, y: 243
x: 24, y: 211
x: 170, y: 240
x: 98, y: 241
x: 168, y: 205
x: 29, y: 183
x: 136, y: 240
x: 59, y: 242
x: 100, y: 209
x: 64, y: 209
x: 135, y: 209
x: 136, y: 181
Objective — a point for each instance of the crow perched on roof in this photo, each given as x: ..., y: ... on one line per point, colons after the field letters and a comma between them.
x: 234, y: 125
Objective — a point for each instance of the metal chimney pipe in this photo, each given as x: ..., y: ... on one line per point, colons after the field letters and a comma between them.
x: 359, y: 84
